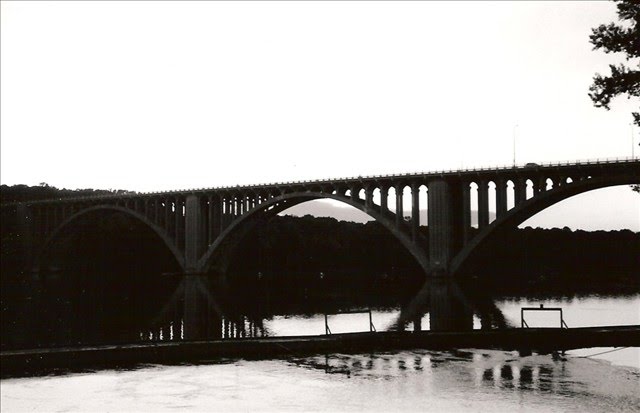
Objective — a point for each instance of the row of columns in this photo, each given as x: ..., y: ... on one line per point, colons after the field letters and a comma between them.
x: 449, y: 211
x: 384, y: 199
x: 520, y: 195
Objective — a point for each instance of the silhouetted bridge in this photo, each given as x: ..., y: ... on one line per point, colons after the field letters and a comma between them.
x: 200, y: 227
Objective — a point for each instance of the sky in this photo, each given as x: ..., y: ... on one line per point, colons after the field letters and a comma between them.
x: 151, y: 96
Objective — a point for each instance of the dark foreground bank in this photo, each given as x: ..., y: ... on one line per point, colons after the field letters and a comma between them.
x: 541, y: 340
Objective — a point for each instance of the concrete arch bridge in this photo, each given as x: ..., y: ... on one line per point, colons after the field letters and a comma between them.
x: 200, y: 227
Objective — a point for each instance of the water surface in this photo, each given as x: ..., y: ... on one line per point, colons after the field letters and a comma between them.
x: 452, y: 381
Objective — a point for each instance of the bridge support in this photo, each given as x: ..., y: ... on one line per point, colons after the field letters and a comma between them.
x: 447, y: 311
x: 415, y: 211
x: 399, y: 206
x: 195, y: 240
x: 501, y: 198
x: 483, y: 204
x: 449, y: 212
x: 196, y: 307
x: 200, y: 320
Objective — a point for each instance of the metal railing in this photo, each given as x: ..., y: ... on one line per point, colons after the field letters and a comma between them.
x: 372, y: 328
x: 523, y: 323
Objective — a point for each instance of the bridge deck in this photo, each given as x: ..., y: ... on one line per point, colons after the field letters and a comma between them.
x: 38, y: 361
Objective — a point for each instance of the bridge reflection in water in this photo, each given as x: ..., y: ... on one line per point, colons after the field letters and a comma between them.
x: 78, y: 309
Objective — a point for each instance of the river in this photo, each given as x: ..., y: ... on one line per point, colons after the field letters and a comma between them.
x: 586, y: 380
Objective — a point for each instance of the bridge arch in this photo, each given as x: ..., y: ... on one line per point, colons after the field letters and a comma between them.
x: 532, y: 206
x: 168, y: 242
x: 243, y: 224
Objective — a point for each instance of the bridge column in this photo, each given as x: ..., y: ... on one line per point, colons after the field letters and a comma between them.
x: 195, y: 309
x: 441, y: 231
x: 156, y: 209
x: 535, y: 186
x: 483, y: 204
x: 542, y: 184
x: 229, y: 211
x: 415, y: 211
x: 384, y: 199
x: 354, y: 193
x: 195, y: 301
x: 167, y: 215
x: 180, y: 221
x: 247, y: 202
x: 501, y: 198
x: 466, y: 212
x: 557, y: 182
x: 368, y: 195
x: 238, y: 206
x: 399, y: 206
x: 520, y: 191
x: 195, y: 241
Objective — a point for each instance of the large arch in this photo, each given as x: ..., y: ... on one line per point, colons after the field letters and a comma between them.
x: 160, y: 232
x: 243, y: 224
x: 529, y: 208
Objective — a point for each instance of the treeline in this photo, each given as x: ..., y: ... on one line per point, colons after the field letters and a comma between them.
x: 367, y: 253
x: 22, y: 193
x: 532, y: 260
x: 320, y: 260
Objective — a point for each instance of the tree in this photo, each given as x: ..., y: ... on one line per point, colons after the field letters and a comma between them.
x: 619, y: 38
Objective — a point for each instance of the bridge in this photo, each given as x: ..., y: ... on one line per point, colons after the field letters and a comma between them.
x: 201, y: 227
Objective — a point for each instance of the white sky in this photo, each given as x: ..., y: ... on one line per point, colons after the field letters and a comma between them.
x: 169, y: 95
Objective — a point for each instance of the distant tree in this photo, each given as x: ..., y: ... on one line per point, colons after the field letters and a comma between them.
x: 622, y: 37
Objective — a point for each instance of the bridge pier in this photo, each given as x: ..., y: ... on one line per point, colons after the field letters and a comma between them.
x: 196, y: 320
x: 449, y: 215
x: 195, y: 241
x: 447, y: 311
x: 196, y: 308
